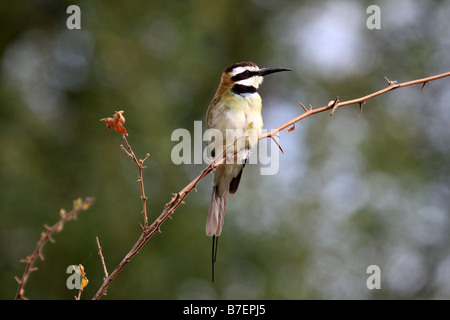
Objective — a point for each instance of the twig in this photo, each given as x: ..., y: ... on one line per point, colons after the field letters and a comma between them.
x: 178, y: 198
x: 78, y: 205
x: 101, y: 257
x: 148, y: 232
x: 84, y: 280
x: 278, y: 144
x: 140, y: 164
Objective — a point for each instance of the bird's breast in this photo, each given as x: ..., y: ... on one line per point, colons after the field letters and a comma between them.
x: 242, y: 112
x: 236, y: 116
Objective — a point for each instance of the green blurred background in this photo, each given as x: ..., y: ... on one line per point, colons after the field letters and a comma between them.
x: 350, y: 191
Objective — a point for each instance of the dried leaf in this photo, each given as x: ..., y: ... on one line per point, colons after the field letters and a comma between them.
x: 116, y: 122
x: 84, y: 283
x: 84, y: 279
x: 81, y: 270
x: 290, y: 129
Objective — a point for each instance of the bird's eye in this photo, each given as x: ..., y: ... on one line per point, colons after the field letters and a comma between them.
x: 247, y: 73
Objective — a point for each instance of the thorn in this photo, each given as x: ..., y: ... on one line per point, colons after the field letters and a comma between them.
x: 140, y: 225
x: 390, y: 83
x: 51, y: 239
x: 423, y: 85
x: 304, y: 108
x: 278, y: 144
x: 18, y: 280
x: 360, y: 108
x: 333, y: 104
x: 41, y: 256
x: 175, y: 196
x: 26, y: 260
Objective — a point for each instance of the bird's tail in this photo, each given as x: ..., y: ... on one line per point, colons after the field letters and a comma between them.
x: 214, y: 222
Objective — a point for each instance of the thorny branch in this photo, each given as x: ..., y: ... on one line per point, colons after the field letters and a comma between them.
x: 102, y: 258
x: 333, y: 105
x: 140, y: 166
x: 78, y: 205
x: 149, y: 231
x: 84, y: 280
x: 178, y: 198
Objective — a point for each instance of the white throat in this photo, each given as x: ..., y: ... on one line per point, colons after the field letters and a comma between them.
x: 251, y: 82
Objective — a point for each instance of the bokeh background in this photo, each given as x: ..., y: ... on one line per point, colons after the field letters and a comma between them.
x: 350, y: 191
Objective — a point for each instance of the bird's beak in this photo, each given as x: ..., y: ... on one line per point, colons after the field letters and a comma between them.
x: 266, y: 71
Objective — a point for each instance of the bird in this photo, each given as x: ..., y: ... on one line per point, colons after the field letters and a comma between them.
x: 235, y: 112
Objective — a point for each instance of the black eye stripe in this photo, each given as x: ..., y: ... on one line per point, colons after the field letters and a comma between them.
x: 243, y: 75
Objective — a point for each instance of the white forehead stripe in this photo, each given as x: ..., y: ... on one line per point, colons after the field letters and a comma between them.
x: 242, y: 69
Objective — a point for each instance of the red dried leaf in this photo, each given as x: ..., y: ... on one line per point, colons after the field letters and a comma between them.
x: 116, y: 122
x: 290, y: 129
